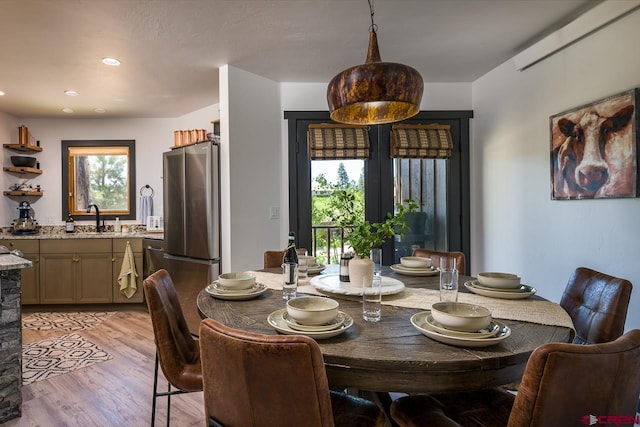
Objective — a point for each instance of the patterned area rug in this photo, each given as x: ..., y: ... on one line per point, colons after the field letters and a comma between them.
x: 56, y: 356
x: 64, y: 321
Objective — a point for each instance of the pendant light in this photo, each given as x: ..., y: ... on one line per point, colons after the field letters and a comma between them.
x: 375, y: 92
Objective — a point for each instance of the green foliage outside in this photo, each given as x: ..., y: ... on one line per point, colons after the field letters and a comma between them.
x: 108, y: 182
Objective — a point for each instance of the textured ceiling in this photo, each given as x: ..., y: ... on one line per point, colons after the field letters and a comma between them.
x: 171, y: 49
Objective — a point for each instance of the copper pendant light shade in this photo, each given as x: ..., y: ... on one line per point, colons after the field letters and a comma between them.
x: 376, y: 92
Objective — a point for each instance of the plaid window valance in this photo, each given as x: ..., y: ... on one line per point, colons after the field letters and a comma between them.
x: 421, y: 141
x: 333, y: 142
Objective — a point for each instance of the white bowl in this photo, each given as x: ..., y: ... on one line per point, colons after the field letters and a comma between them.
x: 238, y: 280
x: 499, y: 280
x: 415, y: 262
x: 306, y: 260
x: 312, y: 310
x: 461, y: 316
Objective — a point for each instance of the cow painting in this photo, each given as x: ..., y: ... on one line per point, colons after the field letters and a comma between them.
x: 593, y: 150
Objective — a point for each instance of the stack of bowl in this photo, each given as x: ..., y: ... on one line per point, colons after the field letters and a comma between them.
x: 460, y: 316
x: 236, y: 282
x: 499, y: 280
x: 313, y: 314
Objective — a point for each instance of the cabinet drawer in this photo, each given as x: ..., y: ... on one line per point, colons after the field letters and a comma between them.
x: 119, y: 245
x: 26, y: 246
x: 75, y: 245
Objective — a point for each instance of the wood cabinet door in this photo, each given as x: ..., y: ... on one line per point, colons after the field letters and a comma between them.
x: 57, y: 278
x: 94, y: 278
x: 29, y: 280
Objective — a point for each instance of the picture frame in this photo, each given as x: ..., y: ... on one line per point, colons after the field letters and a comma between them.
x: 594, y: 149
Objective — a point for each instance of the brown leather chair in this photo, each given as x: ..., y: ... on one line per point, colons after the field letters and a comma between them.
x: 597, y: 304
x: 435, y: 256
x: 562, y: 384
x: 273, y: 259
x: 177, y: 352
x: 268, y: 380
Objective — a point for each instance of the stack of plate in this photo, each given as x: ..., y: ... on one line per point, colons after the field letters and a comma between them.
x: 216, y: 290
x: 415, y: 266
x: 500, y: 285
x: 315, y: 268
x: 491, y: 335
x: 282, y: 322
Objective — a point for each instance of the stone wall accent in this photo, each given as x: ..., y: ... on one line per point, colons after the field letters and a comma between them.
x: 10, y: 346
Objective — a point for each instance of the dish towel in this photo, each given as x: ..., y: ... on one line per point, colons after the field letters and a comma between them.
x: 128, y: 273
x: 146, y: 209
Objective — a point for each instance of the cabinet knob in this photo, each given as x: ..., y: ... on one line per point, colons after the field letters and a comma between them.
x: 74, y: 259
x: 113, y: 260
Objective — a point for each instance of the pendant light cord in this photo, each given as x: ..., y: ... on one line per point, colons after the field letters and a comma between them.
x: 373, y: 28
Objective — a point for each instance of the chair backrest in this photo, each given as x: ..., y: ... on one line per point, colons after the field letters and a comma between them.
x: 564, y: 383
x: 175, y: 346
x: 435, y: 256
x: 263, y: 380
x: 597, y: 304
x: 273, y: 259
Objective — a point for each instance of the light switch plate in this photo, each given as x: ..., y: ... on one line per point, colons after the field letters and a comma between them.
x: 274, y: 212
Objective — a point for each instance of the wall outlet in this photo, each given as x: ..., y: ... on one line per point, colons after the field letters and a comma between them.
x: 274, y: 212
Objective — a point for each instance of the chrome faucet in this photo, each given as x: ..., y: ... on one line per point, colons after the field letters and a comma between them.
x: 99, y: 227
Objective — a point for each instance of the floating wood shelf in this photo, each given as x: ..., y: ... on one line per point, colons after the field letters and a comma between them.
x: 23, y: 148
x: 23, y: 193
x: 22, y: 170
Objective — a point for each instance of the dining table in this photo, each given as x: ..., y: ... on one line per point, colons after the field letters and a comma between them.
x: 394, y: 356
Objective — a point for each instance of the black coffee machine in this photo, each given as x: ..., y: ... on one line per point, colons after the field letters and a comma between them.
x: 25, y: 224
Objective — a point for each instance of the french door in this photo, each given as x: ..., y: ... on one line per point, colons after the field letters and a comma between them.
x: 441, y: 186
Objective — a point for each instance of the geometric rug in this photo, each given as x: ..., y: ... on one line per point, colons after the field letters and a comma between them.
x: 56, y: 356
x: 65, y: 321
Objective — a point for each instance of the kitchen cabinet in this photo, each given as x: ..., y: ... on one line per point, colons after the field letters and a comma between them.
x: 30, y: 277
x: 24, y: 172
x: 119, y: 246
x: 76, y: 271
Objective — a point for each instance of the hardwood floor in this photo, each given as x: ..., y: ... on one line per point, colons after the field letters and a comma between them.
x: 113, y: 393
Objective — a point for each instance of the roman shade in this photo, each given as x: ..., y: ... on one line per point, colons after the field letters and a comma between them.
x: 334, y: 142
x: 421, y: 141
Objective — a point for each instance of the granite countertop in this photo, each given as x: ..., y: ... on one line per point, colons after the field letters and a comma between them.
x: 82, y: 232
x: 12, y: 262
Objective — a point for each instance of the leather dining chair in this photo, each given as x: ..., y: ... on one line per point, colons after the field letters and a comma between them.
x: 436, y: 255
x: 563, y: 384
x: 267, y: 380
x: 177, y: 352
x: 597, y: 303
x: 273, y: 259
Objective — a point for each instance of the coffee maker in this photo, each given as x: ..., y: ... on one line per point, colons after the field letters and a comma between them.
x: 25, y: 224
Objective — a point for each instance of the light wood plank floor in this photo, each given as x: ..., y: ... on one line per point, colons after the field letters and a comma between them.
x: 113, y: 393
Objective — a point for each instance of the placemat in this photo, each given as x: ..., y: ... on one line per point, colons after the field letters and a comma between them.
x: 525, y: 310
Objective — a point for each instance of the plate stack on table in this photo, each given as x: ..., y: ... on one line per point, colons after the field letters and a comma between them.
x: 314, y: 316
x: 500, y: 285
x: 460, y: 324
x: 236, y: 286
x: 415, y: 266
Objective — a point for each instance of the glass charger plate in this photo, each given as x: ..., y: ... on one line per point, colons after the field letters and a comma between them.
x: 400, y: 269
x: 276, y: 320
x: 419, y: 322
x: 257, y: 290
x: 331, y: 283
x: 502, y: 294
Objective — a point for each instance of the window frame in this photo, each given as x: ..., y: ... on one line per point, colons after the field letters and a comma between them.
x: 129, y: 214
x: 378, y: 174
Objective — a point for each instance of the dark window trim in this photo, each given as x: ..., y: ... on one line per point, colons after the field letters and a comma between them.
x: 131, y: 144
x: 458, y: 222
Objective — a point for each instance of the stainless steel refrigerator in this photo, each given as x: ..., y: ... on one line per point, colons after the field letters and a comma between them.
x: 191, y: 183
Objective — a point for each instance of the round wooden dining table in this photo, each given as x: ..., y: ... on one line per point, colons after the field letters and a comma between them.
x: 392, y: 355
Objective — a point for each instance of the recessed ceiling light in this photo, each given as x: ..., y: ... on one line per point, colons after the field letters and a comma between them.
x: 99, y: 110
x: 1, y: 93
x: 67, y: 110
x: 110, y: 61
x: 71, y: 92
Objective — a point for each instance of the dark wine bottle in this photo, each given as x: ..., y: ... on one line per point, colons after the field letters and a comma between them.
x: 291, y: 255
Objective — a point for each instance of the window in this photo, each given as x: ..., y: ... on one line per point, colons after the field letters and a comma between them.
x: 100, y: 173
x: 445, y: 182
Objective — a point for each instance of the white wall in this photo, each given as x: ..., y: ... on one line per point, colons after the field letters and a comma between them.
x: 251, y: 168
x: 152, y: 136
x: 515, y: 224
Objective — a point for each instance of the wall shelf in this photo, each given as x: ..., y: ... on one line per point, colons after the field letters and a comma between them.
x: 23, y: 193
x: 23, y: 148
x: 22, y: 170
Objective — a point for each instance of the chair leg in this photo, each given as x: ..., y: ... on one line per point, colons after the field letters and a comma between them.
x: 168, y: 404
x: 155, y: 394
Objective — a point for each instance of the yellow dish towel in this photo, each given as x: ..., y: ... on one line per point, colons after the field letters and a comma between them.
x: 128, y: 274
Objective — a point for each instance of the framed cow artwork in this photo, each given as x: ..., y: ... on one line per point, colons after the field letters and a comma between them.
x: 594, y: 149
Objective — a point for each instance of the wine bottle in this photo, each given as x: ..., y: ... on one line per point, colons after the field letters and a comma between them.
x: 291, y: 255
